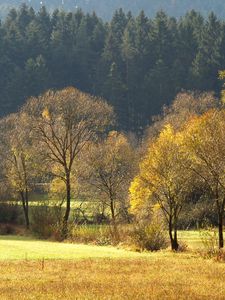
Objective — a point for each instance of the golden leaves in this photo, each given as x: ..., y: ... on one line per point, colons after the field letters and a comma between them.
x: 46, y: 114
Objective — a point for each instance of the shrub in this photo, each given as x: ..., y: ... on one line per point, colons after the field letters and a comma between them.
x: 97, y: 234
x: 209, y: 239
x: 210, y: 249
x: 150, y: 237
x: 182, y: 246
x: 101, y: 234
x: 45, y: 220
x: 100, y: 218
x: 103, y: 241
x: 6, y: 229
x: 220, y: 256
x: 11, y: 213
x: 197, y: 215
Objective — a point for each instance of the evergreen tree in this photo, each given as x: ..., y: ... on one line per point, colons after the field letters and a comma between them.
x: 136, y: 63
x: 36, y: 76
x: 208, y: 59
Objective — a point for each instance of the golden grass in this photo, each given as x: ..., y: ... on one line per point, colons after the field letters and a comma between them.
x: 75, y: 271
x: 163, y: 276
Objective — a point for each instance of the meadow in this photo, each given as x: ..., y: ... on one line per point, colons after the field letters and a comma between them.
x: 14, y: 247
x: 36, y: 269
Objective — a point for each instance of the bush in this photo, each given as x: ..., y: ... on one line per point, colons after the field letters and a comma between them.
x: 151, y: 237
x: 197, y: 215
x: 220, y: 256
x: 6, y: 229
x: 97, y: 234
x: 11, y: 213
x: 100, y: 218
x: 12, y: 229
x: 209, y: 239
x: 101, y: 234
x: 182, y: 246
x: 210, y: 249
x: 45, y: 220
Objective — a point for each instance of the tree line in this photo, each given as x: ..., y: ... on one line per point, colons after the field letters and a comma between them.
x: 65, y: 143
x: 137, y: 63
x: 105, y: 8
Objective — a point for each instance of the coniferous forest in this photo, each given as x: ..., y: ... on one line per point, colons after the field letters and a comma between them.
x: 106, y: 8
x: 138, y: 64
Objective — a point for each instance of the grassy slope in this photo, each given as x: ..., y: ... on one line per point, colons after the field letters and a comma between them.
x: 13, y: 247
x: 16, y: 247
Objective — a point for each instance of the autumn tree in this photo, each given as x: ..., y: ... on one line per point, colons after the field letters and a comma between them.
x: 18, y: 165
x: 63, y: 122
x: 163, y: 179
x: 184, y: 106
x: 204, y: 138
x: 107, y: 170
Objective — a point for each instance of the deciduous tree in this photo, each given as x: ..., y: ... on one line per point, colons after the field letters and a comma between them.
x: 204, y: 138
x: 163, y: 179
x: 18, y: 165
x: 63, y: 123
x: 107, y: 170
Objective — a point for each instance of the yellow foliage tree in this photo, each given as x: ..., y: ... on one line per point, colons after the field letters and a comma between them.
x: 164, y: 178
x: 204, y: 140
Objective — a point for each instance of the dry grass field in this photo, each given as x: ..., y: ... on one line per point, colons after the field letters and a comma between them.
x: 163, y: 276
x: 71, y: 271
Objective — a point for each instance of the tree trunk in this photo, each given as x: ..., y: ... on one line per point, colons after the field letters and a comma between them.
x: 112, y: 209
x: 67, y: 213
x: 27, y: 209
x: 115, y: 233
x: 220, y: 228
x: 27, y: 218
x: 173, y: 236
x: 176, y: 245
x: 24, y: 199
x: 175, y: 241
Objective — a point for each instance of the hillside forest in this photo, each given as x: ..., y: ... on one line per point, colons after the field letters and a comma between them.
x: 138, y: 64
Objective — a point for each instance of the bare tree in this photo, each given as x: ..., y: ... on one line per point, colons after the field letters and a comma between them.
x: 108, y: 169
x: 18, y: 164
x: 62, y: 123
